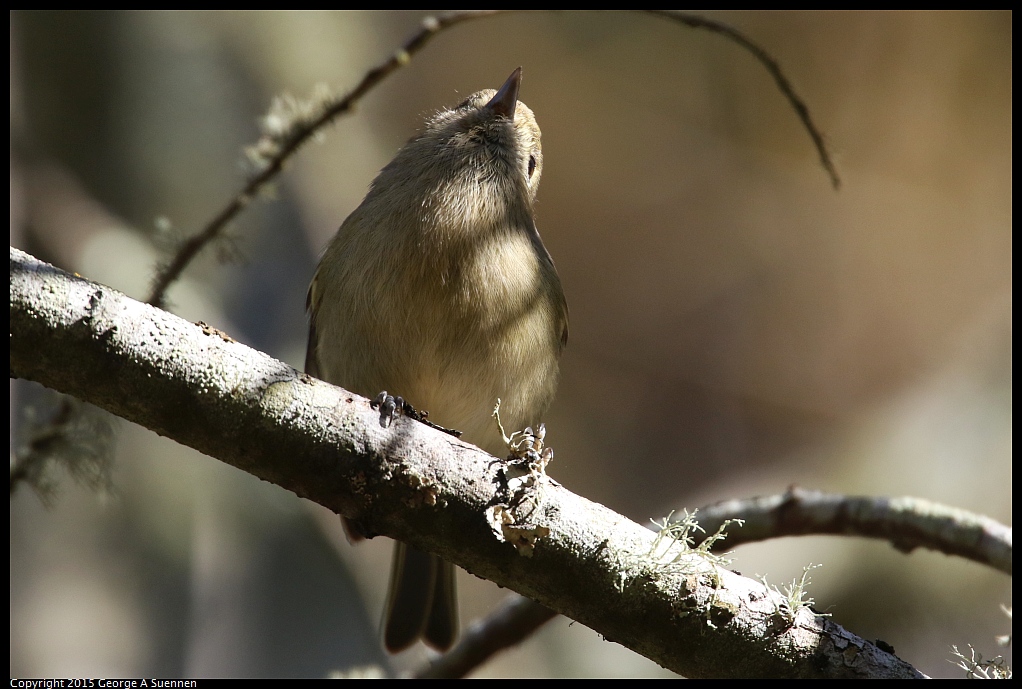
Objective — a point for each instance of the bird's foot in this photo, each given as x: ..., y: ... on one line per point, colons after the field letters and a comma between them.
x: 392, y: 406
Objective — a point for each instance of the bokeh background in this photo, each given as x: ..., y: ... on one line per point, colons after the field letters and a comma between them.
x: 737, y: 326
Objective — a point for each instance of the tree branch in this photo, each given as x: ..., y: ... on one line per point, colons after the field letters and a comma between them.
x: 199, y: 387
x: 906, y: 522
x: 773, y: 67
x: 515, y: 620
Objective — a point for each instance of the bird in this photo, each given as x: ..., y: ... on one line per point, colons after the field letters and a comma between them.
x: 438, y: 286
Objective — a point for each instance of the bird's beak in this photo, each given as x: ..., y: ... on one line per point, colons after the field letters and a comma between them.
x: 505, y: 100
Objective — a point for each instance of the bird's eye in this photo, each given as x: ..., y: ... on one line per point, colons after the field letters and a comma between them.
x: 532, y: 165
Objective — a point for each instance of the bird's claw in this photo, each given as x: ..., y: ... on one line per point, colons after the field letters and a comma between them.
x: 389, y: 406
x: 392, y: 406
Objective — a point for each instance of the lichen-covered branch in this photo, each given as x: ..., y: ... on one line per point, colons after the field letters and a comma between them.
x: 197, y: 386
x: 906, y: 522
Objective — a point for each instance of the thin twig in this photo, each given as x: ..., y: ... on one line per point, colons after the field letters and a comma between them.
x: 515, y: 620
x: 432, y: 25
x: 697, y: 22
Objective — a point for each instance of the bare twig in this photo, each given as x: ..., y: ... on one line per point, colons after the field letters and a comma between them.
x: 731, y: 33
x: 515, y: 620
x: 908, y: 523
x: 431, y: 26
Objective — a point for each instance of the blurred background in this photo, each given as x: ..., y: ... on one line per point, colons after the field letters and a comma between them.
x: 737, y: 326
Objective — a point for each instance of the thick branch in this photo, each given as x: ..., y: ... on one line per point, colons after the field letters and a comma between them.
x: 906, y: 522
x: 197, y: 386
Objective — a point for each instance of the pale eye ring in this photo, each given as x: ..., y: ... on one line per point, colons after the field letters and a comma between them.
x: 532, y: 165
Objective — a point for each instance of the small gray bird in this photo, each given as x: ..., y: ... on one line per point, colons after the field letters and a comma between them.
x: 438, y: 287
